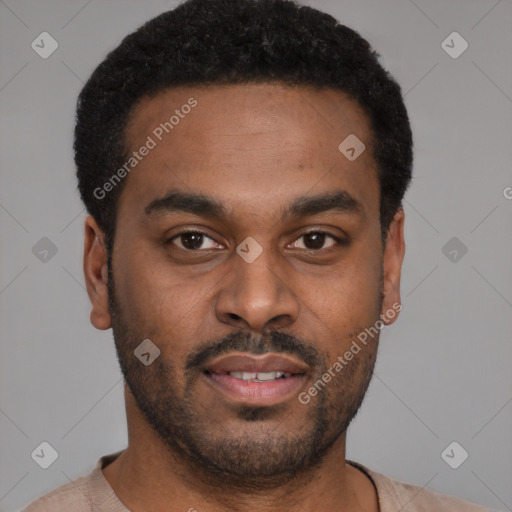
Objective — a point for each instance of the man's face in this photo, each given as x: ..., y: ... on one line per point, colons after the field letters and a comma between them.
x: 260, y: 152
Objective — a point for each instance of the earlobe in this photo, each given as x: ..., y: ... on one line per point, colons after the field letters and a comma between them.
x: 392, y: 268
x: 96, y: 274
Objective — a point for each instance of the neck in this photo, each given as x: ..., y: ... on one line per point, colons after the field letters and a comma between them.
x: 149, y: 471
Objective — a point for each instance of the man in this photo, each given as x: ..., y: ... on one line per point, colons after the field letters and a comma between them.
x: 243, y: 163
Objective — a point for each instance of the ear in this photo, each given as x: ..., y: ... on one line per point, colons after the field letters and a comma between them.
x: 392, y: 268
x: 96, y: 274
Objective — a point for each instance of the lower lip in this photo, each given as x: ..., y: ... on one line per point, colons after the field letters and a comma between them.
x: 256, y: 393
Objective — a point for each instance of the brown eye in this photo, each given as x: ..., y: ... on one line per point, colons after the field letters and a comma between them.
x: 192, y: 240
x: 315, y: 240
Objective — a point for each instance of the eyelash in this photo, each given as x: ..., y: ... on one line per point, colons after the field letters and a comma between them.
x: 339, y: 241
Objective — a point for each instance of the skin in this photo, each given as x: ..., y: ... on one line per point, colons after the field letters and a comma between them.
x: 254, y: 148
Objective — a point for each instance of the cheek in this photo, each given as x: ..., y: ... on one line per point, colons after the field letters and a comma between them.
x: 349, y: 306
x: 159, y: 303
x: 350, y: 298
x: 144, y: 291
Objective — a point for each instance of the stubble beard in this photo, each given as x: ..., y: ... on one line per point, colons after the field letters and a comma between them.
x: 261, y: 456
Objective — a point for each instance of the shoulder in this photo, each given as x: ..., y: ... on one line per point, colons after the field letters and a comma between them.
x: 73, y: 496
x: 90, y: 493
x: 396, y: 495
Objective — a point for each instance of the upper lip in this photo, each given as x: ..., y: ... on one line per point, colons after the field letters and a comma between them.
x: 240, y: 362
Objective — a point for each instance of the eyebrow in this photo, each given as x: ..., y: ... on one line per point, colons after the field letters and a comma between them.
x: 338, y: 201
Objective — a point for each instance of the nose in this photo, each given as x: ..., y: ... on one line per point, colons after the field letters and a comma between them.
x: 257, y: 295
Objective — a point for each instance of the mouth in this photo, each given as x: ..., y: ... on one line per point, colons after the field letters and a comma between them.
x: 256, y: 380
x: 259, y: 376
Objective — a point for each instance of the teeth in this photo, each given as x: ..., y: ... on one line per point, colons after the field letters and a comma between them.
x: 259, y: 377
x: 269, y: 375
x: 243, y: 375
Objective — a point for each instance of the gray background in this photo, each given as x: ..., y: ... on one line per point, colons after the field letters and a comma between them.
x: 444, y: 369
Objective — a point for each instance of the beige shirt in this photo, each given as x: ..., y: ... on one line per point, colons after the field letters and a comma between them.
x: 93, y: 494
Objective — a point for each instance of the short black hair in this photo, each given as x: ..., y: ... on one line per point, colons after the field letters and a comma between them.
x: 203, y: 42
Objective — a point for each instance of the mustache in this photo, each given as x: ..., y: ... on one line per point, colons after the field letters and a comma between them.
x: 272, y: 341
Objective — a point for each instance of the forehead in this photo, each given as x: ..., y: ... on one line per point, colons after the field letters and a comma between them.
x: 238, y: 110
x: 248, y: 143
